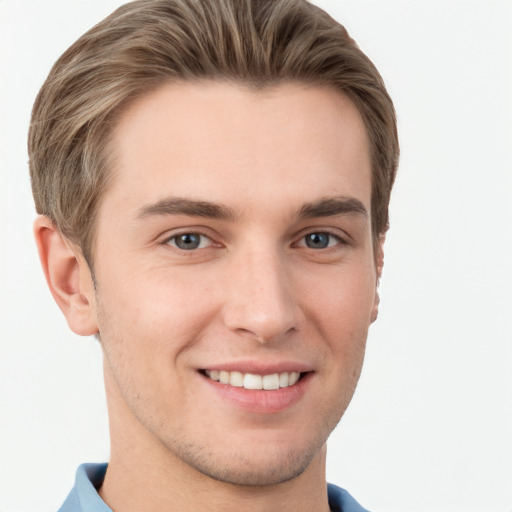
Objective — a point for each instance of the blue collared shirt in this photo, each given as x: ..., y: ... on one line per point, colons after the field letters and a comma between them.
x: 84, y: 496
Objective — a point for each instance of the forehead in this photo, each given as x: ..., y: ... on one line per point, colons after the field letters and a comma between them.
x: 224, y: 142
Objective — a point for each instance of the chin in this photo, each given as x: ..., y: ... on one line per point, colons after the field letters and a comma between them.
x: 256, y: 473
x: 265, y: 466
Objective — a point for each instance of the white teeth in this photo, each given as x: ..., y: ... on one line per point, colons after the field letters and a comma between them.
x: 236, y: 379
x: 271, y: 381
x: 253, y: 381
x: 294, y: 377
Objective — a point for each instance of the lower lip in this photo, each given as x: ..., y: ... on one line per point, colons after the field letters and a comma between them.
x: 262, y: 401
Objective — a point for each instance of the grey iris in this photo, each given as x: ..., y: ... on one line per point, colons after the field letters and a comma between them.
x: 188, y: 241
x: 317, y: 240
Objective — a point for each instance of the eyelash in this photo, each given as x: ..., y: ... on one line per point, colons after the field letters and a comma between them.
x: 332, y: 236
x: 177, y: 236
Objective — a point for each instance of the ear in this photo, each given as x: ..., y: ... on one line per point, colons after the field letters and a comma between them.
x: 68, y: 277
x: 379, y: 264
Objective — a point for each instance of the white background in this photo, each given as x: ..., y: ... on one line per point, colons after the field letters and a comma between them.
x: 430, y: 427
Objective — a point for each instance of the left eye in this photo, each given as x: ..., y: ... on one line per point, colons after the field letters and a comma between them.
x: 319, y: 240
x: 189, y: 241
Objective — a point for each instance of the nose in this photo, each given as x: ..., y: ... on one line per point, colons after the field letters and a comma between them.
x: 260, y: 301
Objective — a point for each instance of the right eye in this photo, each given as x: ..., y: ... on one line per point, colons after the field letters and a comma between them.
x: 189, y: 241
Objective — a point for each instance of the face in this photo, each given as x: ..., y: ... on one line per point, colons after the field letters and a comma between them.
x: 235, y: 275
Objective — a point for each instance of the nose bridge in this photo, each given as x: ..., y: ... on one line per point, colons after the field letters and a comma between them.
x: 260, y: 300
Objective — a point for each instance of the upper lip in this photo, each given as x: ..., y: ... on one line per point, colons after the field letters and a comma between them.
x: 260, y: 367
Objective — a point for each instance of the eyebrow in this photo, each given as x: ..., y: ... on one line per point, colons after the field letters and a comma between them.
x: 181, y: 206
x: 331, y: 206
x: 325, y: 207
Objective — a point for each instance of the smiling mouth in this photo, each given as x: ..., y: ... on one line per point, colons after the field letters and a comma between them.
x: 254, y: 381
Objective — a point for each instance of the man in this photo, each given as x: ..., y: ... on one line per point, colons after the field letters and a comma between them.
x: 212, y: 179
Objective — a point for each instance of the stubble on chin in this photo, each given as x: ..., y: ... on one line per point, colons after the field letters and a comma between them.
x: 246, y: 470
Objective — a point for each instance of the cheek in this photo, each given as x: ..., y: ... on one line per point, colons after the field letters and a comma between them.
x: 152, y: 314
x: 341, y: 317
x: 144, y: 327
x: 344, y: 303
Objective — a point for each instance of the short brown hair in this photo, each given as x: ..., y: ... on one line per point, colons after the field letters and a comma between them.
x: 147, y: 43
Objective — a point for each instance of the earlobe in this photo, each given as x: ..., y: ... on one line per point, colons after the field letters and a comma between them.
x: 68, y: 277
x: 379, y: 265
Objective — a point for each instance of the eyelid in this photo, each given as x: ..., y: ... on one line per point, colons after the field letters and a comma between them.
x: 201, y: 245
x: 188, y: 231
x: 341, y: 238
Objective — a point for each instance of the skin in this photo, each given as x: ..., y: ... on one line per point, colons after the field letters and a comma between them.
x: 274, y: 166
